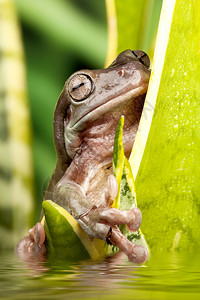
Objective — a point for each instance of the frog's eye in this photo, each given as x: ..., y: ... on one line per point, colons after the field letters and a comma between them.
x: 142, y: 57
x: 80, y: 87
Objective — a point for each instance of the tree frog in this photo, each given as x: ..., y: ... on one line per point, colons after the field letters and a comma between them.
x: 85, y: 120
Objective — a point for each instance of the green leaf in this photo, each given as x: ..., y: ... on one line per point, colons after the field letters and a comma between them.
x: 126, y: 198
x: 65, y: 237
x: 128, y: 201
x: 132, y: 25
x: 118, y: 157
x: 166, y: 152
x: 130, y: 15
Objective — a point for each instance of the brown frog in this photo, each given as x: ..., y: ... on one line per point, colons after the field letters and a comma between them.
x: 85, y: 120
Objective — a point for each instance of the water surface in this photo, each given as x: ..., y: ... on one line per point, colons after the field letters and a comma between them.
x: 162, y: 277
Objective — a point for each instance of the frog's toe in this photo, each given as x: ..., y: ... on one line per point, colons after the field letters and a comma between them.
x: 113, y: 216
x: 112, y: 186
x: 136, y: 253
x: 139, y: 255
x: 37, y: 234
x: 135, y: 219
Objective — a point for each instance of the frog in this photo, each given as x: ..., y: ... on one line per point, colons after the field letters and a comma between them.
x: 84, y: 124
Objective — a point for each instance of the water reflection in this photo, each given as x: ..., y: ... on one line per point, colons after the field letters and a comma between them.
x: 163, y: 277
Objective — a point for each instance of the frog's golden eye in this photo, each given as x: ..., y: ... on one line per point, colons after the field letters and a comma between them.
x: 142, y: 57
x: 80, y: 87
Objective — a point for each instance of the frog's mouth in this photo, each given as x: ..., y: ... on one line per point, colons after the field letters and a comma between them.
x: 111, y: 105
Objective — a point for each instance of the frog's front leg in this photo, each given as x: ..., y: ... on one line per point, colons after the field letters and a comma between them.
x: 100, y: 222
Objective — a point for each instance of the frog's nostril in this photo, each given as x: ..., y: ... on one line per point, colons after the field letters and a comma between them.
x: 142, y: 57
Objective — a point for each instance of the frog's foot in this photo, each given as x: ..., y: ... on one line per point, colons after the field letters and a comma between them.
x: 101, y: 223
x: 32, y: 245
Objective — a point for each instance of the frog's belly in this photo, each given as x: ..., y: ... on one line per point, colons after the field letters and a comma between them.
x: 97, y: 191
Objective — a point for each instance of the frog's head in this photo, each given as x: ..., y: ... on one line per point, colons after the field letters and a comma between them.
x: 90, y: 95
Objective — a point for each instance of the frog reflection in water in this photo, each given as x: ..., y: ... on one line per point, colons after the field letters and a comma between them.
x: 85, y: 121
